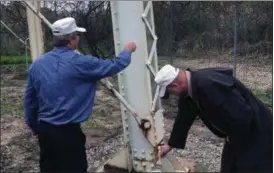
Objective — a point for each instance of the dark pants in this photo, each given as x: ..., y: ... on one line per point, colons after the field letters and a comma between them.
x: 257, y: 159
x: 62, y: 148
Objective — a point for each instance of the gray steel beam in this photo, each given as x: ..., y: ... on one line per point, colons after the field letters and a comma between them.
x: 130, y: 21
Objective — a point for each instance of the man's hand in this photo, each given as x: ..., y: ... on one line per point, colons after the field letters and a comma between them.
x: 33, y: 134
x: 131, y: 46
x: 164, y: 149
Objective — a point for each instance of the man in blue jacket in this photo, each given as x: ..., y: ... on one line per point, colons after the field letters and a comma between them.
x: 60, y: 94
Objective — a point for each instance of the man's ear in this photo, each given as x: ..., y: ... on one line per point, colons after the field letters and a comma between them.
x: 175, y: 85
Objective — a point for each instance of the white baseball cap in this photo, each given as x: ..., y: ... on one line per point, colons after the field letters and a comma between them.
x: 65, y: 26
x: 164, y: 77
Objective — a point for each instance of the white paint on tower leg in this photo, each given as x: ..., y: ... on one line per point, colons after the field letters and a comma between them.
x: 135, y: 82
x: 35, y: 32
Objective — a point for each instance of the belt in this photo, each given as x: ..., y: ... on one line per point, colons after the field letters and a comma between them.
x: 60, y: 126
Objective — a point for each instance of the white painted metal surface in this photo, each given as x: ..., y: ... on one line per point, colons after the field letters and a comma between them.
x: 35, y: 30
x: 129, y: 24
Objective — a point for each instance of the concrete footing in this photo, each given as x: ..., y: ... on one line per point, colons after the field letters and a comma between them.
x: 168, y: 164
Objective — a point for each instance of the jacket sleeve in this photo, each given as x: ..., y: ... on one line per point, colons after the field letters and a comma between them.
x: 31, y: 105
x: 93, y: 69
x: 187, y: 113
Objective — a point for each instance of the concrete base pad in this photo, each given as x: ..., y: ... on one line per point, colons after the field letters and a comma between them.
x: 169, y: 164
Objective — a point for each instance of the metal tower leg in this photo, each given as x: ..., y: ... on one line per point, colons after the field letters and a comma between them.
x: 35, y: 30
x: 134, y: 82
x: 131, y: 21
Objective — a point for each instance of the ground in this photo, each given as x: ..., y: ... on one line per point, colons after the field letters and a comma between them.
x: 19, y: 150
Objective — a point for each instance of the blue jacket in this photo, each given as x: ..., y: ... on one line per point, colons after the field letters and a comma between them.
x: 61, y: 85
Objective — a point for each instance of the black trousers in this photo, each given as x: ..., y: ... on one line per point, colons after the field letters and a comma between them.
x: 256, y: 160
x: 62, y: 148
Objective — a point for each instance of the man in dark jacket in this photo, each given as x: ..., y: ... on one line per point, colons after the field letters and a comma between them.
x: 227, y: 108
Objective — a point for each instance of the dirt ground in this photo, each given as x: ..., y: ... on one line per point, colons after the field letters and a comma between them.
x: 19, y: 150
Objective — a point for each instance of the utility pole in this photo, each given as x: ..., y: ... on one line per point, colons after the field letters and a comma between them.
x: 35, y: 28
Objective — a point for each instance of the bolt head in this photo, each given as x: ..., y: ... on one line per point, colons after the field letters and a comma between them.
x: 147, y: 125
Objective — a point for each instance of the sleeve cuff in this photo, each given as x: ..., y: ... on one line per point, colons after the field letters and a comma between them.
x: 126, y: 50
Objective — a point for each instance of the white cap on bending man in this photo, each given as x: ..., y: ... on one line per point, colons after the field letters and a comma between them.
x: 171, y: 80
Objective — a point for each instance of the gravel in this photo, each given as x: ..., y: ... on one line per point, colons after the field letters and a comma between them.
x: 202, y: 151
x: 207, y: 152
x: 99, y: 154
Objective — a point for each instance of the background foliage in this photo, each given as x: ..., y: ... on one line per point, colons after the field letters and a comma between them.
x: 182, y: 27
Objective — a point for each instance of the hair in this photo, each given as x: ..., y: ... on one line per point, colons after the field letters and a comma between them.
x: 63, y: 40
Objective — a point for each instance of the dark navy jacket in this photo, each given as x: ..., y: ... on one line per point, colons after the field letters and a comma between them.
x: 230, y: 111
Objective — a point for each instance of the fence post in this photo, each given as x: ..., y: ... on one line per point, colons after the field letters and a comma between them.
x: 26, y: 53
x: 235, y: 38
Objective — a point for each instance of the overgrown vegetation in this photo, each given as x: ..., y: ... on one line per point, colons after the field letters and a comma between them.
x: 187, y: 29
x: 181, y: 26
x: 11, y: 109
x: 265, y: 96
x: 5, y: 59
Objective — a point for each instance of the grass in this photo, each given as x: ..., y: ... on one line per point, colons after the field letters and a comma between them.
x: 10, y: 109
x: 260, y: 82
x: 265, y: 96
x: 9, y: 59
x: 17, y: 110
x: 14, y: 110
x: 92, y: 124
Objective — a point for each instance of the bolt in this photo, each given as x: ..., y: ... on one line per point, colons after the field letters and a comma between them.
x: 135, y: 156
x: 143, y: 164
x: 116, y: 28
x: 147, y: 125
